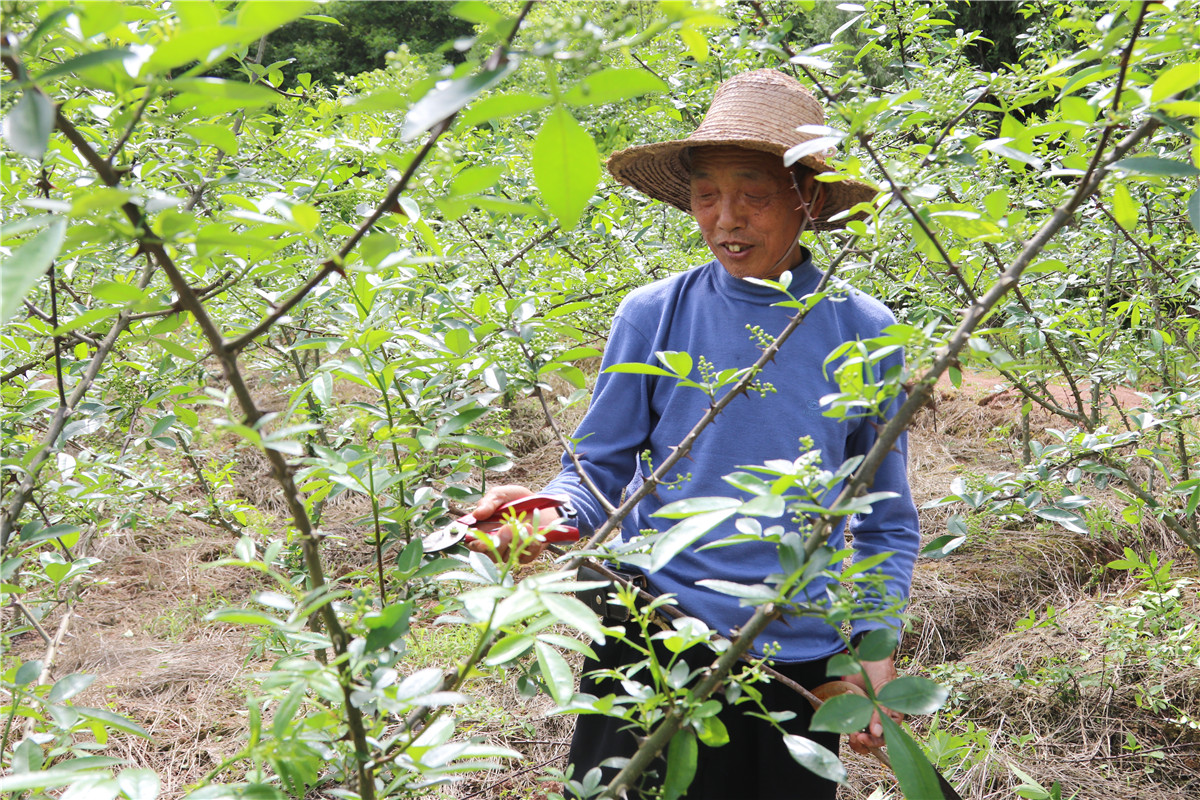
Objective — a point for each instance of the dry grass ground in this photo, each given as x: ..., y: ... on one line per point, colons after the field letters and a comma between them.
x: 141, y: 631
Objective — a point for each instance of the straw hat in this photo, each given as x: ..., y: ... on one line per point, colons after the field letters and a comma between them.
x: 758, y: 110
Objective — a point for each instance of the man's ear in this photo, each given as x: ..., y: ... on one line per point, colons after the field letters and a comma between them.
x: 811, y: 190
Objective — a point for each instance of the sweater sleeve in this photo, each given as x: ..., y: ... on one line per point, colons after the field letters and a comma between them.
x: 615, y: 430
x: 892, y: 525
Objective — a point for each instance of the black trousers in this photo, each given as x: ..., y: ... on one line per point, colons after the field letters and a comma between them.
x: 754, y: 765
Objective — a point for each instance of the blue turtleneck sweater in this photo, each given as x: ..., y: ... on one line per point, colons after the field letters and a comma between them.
x: 705, y: 312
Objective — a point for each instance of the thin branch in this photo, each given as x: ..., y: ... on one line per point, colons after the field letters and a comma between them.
x: 133, y: 121
x: 483, y: 251
x: 1117, y: 90
x: 928, y: 159
x: 584, y: 478
x: 48, y: 658
x: 33, y: 620
x: 1190, y: 536
x: 1041, y: 399
x: 1143, y: 252
x: 198, y: 192
x: 21, y: 370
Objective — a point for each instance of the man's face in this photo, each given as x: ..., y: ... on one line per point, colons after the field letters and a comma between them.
x: 748, y: 210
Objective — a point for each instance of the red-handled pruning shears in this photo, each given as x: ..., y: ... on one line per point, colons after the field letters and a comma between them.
x: 466, y: 526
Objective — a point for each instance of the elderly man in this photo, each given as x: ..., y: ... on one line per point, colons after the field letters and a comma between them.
x: 751, y: 209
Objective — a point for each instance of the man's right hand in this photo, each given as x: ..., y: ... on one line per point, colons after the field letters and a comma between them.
x: 502, y: 538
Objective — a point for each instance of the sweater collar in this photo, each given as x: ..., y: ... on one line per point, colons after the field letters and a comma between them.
x: 805, y: 277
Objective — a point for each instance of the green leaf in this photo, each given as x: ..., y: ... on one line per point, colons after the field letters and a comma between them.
x: 1001, y: 147
x: 27, y: 264
x: 68, y: 687
x: 480, y: 443
x: 475, y: 179
x: 912, y: 694
x: 28, y: 672
x: 83, y: 62
x: 510, y: 647
x: 1194, y: 211
x: 611, y: 85
x: 410, y: 556
x: 916, y: 776
x: 202, y: 42
x: 758, y: 593
x: 458, y: 341
x: 117, y: 292
x: 382, y: 100
x: 574, y: 612
x: 712, y: 731
x: 22, y: 224
x: 843, y: 713
x: 243, y: 616
x: 244, y: 95
x: 477, y: 11
x: 387, y: 626
x: 1153, y: 165
x: 682, y: 753
x: 139, y: 784
x: 114, y: 721
x: 447, y: 100
x: 678, y: 363
x: 28, y: 124
x: 566, y: 166
x: 1175, y: 80
x: 264, y: 17
x: 815, y: 758
x: 943, y: 546
x: 44, y: 779
x: 285, y: 712
x: 502, y: 105
x: 696, y: 43
x: 683, y: 534
x: 92, y: 786
x: 1124, y: 209
x: 636, y: 368
x: 1068, y: 519
x: 696, y: 505
x: 218, y: 136
x: 556, y: 672
x: 878, y: 644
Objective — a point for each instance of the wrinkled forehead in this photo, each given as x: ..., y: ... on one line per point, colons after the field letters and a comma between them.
x: 705, y: 162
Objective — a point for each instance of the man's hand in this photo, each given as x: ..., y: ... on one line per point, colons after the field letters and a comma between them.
x: 502, y: 538
x: 879, y: 673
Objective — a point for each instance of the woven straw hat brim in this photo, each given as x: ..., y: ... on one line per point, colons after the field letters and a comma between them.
x: 658, y: 170
x: 758, y: 110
